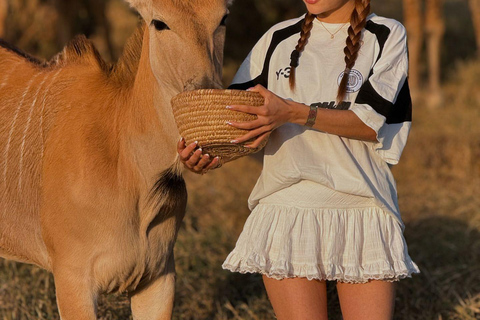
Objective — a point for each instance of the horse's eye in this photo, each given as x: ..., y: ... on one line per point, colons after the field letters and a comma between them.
x: 224, y: 20
x: 160, y: 25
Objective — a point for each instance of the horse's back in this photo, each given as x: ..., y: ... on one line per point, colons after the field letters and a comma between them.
x: 22, y: 100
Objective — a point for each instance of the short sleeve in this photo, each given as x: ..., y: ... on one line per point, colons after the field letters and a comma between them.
x: 250, y: 72
x: 255, y: 69
x: 383, y: 102
x: 248, y: 75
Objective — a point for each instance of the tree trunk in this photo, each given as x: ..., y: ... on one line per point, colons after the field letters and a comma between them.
x: 71, y: 24
x: 435, y: 29
x: 98, y: 10
x: 475, y: 10
x: 3, y: 16
x: 413, y: 23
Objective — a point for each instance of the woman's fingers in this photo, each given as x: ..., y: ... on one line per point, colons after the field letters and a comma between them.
x: 214, y: 164
x: 260, y: 89
x: 268, y: 117
x: 244, y: 109
x: 181, y: 145
x: 186, y: 152
x: 259, y: 140
x: 247, y: 125
x: 252, y: 134
x: 204, y: 160
x: 194, y: 159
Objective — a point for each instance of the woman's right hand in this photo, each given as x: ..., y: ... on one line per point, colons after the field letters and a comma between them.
x: 194, y: 160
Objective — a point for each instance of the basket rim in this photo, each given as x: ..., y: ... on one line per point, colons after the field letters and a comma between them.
x: 220, y: 92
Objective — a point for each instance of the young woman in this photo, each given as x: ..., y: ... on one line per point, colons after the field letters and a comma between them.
x: 337, y: 114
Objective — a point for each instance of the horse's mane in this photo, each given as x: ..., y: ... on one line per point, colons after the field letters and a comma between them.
x: 80, y: 50
x: 125, y: 70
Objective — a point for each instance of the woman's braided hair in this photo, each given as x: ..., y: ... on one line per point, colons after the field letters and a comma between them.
x: 304, y: 35
x: 358, y: 20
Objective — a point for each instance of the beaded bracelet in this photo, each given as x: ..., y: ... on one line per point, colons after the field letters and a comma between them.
x: 312, y: 116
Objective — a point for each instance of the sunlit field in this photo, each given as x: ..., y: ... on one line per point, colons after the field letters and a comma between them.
x: 438, y: 181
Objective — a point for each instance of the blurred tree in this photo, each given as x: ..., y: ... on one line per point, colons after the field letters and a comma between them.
x: 475, y: 9
x: 419, y: 25
x: 250, y: 19
x: 3, y: 16
x: 42, y: 27
x: 429, y: 24
x: 412, y: 10
x: 30, y: 25
x: 435, y: 29
x: 86, y: 17
x: 45, y: 26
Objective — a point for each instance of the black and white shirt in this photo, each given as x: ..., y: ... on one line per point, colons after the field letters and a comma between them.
x: 377, y: 93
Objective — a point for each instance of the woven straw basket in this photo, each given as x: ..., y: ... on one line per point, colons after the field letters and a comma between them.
x: 201, y: 115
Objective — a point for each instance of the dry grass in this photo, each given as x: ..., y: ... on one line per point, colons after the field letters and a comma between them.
x: 438, y: 182
x: 439, y: 186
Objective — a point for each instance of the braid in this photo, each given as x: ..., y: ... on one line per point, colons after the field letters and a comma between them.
x: 304, y: 35
x: 358, y: 21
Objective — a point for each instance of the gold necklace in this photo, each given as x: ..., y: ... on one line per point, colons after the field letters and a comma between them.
x: 332, y: 35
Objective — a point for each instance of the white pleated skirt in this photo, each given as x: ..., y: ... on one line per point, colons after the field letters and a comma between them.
x: 310, y: 231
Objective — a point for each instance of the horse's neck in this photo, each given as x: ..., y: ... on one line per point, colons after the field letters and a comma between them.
x: 153, y: 135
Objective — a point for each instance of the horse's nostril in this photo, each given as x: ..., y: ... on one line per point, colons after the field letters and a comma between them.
x: 211, y: 83
x: 205, y: 83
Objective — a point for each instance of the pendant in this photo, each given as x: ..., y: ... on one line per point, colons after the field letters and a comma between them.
x: 332, y: 36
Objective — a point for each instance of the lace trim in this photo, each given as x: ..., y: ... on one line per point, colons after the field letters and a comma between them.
x: 279, y: 270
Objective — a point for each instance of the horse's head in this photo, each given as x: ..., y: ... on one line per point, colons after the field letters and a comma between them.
x: 186, y: 40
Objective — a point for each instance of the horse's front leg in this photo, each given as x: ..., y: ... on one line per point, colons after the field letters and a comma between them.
x: 76, y: 296
x: 155, y: 300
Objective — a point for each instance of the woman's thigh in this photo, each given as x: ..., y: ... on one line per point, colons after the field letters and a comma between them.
x: 374, y: 300
x: 297, y: 298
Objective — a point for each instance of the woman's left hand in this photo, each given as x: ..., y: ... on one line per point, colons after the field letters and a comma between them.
x: 274, y: 113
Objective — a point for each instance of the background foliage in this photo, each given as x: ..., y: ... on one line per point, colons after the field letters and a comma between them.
x: 438, y: 179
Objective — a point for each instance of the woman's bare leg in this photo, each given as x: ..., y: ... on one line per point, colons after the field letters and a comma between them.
x: 297, y: 298
x: 374, y: 300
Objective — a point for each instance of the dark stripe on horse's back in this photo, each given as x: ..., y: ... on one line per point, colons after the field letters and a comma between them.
x: 10, y: 47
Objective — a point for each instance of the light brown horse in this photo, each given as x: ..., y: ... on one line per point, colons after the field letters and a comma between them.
x: 90, y: 185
